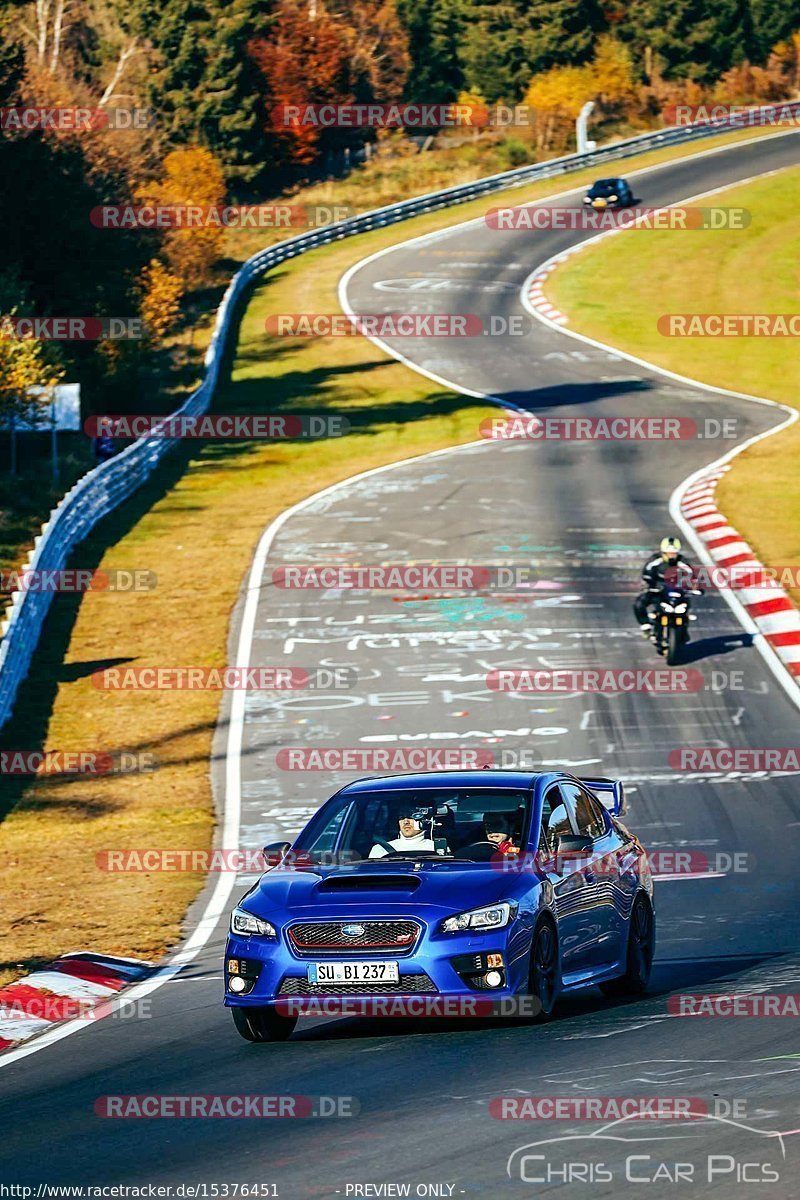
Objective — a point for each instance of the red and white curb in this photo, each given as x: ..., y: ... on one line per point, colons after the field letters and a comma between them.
x: 75, y: 985
x: 535, y: 293
x: 767, y: 604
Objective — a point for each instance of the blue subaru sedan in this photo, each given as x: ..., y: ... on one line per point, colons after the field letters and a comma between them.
x: 441, y: 893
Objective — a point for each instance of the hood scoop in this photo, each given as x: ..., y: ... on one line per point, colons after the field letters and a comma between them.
x: 370, y: 883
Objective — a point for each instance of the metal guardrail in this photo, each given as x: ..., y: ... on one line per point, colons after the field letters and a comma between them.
x: 105, y: 487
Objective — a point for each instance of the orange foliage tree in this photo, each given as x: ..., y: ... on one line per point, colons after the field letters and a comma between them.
x: 190, y: 177
x: 304, y: 61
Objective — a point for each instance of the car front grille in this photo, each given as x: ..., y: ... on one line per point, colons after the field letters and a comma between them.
x: 403, y: 986
x: 327, y: 937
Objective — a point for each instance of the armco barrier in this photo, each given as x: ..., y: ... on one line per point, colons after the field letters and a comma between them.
x: 102, y: 489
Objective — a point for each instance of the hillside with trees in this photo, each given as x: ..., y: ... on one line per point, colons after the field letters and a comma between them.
x: 210, y: 76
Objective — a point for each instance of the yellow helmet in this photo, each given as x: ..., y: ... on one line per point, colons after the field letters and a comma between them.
x: 670, y: 547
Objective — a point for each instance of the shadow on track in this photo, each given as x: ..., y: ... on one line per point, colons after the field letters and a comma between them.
x: 712, y: 647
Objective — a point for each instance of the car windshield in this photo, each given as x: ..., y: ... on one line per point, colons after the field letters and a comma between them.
x: 472, y: 824
x: 605, y: 187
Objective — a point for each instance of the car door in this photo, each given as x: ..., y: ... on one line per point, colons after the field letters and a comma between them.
x: 602, y: 926
x: 565, y: 874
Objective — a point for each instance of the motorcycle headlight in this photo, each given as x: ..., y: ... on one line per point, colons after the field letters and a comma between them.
x: 495, y: 916
x: 243, y: 924
x: 680, y: 608
x: 667, y: 608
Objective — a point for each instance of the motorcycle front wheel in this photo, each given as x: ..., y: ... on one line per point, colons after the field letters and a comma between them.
x: 674, y: 643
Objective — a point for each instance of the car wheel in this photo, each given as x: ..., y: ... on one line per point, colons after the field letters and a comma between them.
x: 263, y: 1024
x: 544, y: 974
x: 639, y: 958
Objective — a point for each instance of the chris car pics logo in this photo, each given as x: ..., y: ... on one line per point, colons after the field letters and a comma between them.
x: 706, y: 1149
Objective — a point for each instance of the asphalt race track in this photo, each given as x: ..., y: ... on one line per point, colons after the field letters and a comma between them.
x: 584, y: 515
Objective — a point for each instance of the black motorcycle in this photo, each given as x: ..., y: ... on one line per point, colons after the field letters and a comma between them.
x: 669, y: 613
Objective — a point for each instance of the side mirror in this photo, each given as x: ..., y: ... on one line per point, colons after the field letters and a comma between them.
x: 574, y: 845
x: 275, y: 853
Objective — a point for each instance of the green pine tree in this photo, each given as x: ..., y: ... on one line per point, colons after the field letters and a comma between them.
x: 202, y: 84
x: 773, y: 23
x: 435, y: 31
x: 691, y: 39
x: 562, y: 32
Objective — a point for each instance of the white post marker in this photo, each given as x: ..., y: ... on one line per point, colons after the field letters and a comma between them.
x: 584, y: 145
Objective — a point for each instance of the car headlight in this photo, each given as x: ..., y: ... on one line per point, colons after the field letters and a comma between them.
x: 612, y: 199
x: 667, y: 608
x: 244, y: 923
x: 495, y: 916
x: 680, y: 608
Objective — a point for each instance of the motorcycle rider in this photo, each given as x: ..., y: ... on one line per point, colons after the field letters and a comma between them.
x: 668, y: 568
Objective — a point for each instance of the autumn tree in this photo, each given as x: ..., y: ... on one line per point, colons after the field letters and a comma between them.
x: 27, y: 366
x: 557, y: 96
x: 190, y: 177
x: 318, y: 54
x: 303, y: 60
x: 612, y: 71
x: 160, y: 300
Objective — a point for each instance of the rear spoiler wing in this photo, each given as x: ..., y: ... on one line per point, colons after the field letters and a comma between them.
x: 610, y: 793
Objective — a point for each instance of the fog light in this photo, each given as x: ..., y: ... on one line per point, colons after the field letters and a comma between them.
x: 236, y: 984
x: 493, y: 979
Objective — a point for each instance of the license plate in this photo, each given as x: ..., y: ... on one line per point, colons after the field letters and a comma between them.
x: 353, y: 972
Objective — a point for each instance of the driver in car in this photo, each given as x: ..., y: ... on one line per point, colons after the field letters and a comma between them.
x: 412, y: 838
x: 498, y: 829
